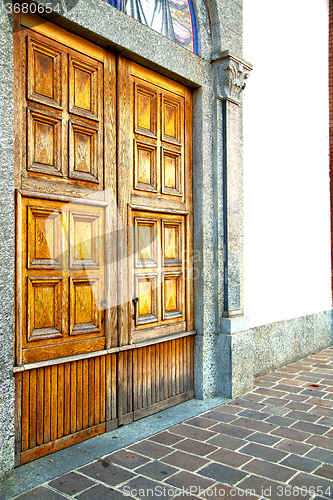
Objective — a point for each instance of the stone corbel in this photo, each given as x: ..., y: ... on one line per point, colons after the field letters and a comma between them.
x: 230, y: 75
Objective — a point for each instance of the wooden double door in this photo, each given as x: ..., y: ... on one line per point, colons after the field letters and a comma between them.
x: 103, y: 178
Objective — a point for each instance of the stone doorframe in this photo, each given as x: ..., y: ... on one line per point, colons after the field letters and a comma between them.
x: 217, y: 76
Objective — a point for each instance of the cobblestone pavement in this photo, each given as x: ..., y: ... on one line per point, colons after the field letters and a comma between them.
x: 275, y: 442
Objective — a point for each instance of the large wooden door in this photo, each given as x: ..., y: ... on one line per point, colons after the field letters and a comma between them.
x: 104, y: 330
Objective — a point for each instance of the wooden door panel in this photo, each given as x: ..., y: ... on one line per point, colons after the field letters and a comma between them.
x: 63, y: 278
x: 45, y: 66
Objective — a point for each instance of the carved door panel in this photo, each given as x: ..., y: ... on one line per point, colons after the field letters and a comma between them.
x: 155, y: 200
x: 65, y: 376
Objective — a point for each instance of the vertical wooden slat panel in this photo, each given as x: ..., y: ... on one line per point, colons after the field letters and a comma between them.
x: 129, y: 381
x: 135, y: 380
x: 103, y: 383
x: 144, y: 377
x: 169, y: 364
x: 162, y: 373
x: 18, y: 418
x: 191, y: 340
x: 61, y: 393
x: 54, y: 402
x: 47, y: 404
x: 120, y: 388
x: 153, y: 373
x: 148, y: 376
x: 108, y: 386
x: 157, y: 374
x: 85, y: 395
x: 91, y: 392
x: 79, y: 398
x: 173, y: 367
x: 73, y: 396
x: 139, y: 385
x: 114, y: 386
x: 177, y: 361
x: 25, y: 410
x: 40, y: 406
x: 33, y: 410
x: 181, y: 366
x: 67, y: 399
x: 166, y: 370
x: 186, y: 384
x: 97, y: 390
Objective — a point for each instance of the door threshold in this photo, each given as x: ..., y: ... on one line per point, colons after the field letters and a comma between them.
x: 32, y: 474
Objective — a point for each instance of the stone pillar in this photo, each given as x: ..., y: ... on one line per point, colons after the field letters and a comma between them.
x: 234, y: 369
x: 7, y: 250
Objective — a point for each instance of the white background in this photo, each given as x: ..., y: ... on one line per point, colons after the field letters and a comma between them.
x: 286, y: 163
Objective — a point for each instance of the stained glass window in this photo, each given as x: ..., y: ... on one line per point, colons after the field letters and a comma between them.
x: 172, y: 18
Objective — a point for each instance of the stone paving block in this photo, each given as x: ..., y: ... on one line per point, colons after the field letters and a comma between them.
x: 102, y: 470
x: 269, y: 470
x: 71, y: 483
x: 302, y: 415
x: 287, y: 388
x: 229, y: 442
x: 40, y: 493
x: 218, y: 416
x: 329, y: 434
x: 293, y: 446
x: 224, y: 473
x: 289, y: 381
x: 267, y: 488
x: 252, y: 396
x: 185, y: 461
x: 314, y: 484
x: 127, y: 459
x: 295, y: 397
x: 311, y: 428
x: 275, y: 410
x: 317, y: 410
x: 202, y: 422
x: 187, y: 480
x: 295, y: 405
x: 255, y: 425
x: 146, y: 489
x: 325, y: 470
x: 223, y: 491
x: 275, y: 401
x: 166, y: 437
x: 321, y: 455
x: 269, y: 392
x: 261, y: 438
x: 264, y: 452
x: 249, y: 405
x: 280, y: 421
x: 312, y: 393
x: 301, y: 463
x: 195, y: 447
x: 150, y: 449
x: 321, y: 442
x: 101, y: 492
x: 255, y: 415
x: 263, y: 383
x: 192, y: 432
x: 325, y: 421
x: 231, y: 430
x: 289, y: 433
x: 228, y: 408
x: 320, y: 402
x: 228, y: 457
x: 156, y: 470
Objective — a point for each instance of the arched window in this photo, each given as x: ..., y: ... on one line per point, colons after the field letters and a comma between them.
x: 174, y: 19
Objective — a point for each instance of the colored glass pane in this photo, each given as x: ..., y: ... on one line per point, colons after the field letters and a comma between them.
x: 172, y: 18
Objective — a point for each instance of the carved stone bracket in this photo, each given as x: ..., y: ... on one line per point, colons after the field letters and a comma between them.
x: 230, y: 73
